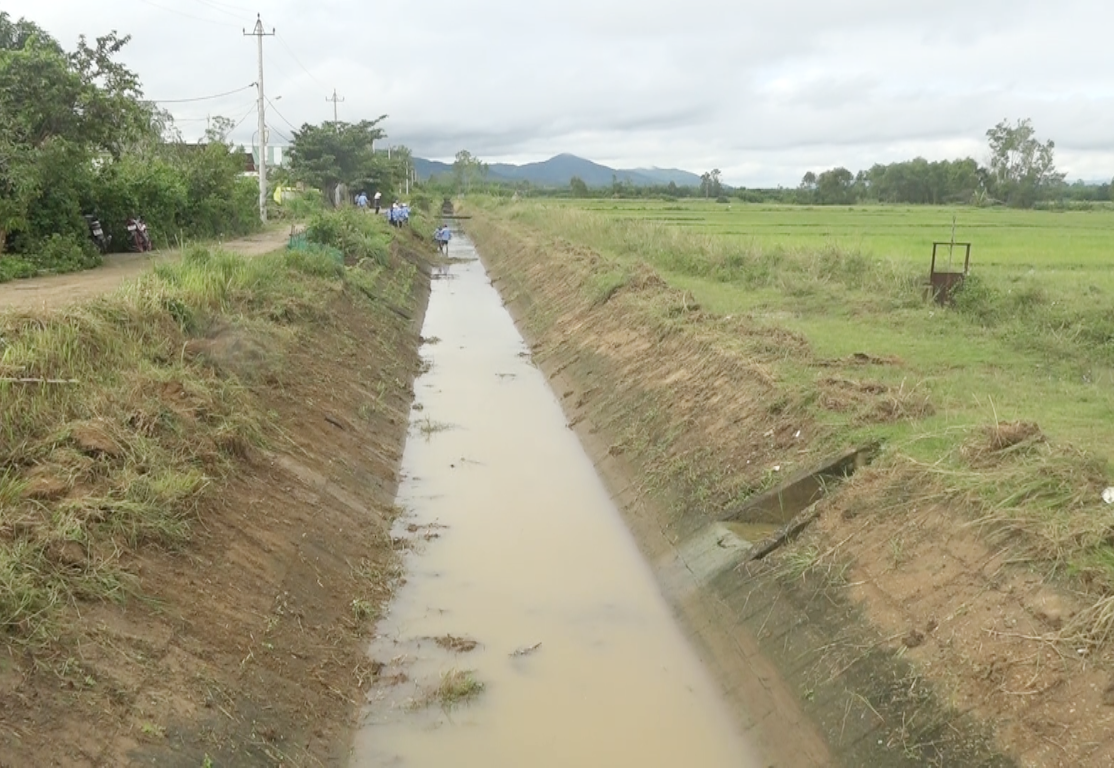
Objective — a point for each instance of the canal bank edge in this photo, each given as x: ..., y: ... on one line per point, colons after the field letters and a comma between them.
x: 249, y: 644
x: 676, y: 417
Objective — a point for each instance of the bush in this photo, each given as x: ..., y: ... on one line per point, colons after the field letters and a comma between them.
x: 355, y: 233
x: 64, y: 253
x: 13, y: 267
x: 976, y: 299
x: 132, y: 186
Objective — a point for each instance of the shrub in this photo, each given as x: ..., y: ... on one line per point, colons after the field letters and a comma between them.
x: 63, y: 253
x: 355, y: 233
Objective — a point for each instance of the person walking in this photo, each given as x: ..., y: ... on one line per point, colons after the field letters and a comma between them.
x: 378, y: 201
x: 361, y: 201
x: 443, y: 235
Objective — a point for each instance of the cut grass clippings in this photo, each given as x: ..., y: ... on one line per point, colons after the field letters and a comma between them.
x: 160, y: 411
x: 457, y: 687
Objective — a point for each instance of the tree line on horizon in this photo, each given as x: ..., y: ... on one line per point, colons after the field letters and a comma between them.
x: 1020, y: 173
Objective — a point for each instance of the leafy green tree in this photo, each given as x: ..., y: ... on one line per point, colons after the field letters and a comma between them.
x: 467, y: 169
x: 330, y: 154
x: 578, y: 187
x: 835, y: 187
x: 60, y: 113
x: 1022, y: 169
x: 18, y: 182
x: 710, y: 183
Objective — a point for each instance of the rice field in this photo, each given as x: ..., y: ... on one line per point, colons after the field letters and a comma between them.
x: 1069, y: 240
x: 1030, y: 338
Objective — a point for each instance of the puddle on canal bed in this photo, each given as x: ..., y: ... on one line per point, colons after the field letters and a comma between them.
x: 518, y: 548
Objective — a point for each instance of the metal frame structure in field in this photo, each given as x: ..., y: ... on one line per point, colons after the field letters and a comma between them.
x: 943, y: 283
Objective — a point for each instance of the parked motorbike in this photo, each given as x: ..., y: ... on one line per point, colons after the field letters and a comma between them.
x: 100, y: 238
x: 137, y: 233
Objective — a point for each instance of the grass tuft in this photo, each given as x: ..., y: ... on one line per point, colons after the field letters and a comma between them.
x: 458, y: 687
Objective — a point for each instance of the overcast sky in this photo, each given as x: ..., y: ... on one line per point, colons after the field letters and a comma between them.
x: 762, y: 89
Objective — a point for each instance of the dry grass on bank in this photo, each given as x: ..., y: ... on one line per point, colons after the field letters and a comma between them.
x: 132, y: 407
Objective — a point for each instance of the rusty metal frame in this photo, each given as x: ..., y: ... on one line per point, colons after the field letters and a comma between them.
x: 944, y: 283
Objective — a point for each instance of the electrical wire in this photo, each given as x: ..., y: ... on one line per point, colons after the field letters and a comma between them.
x: 298, y: 61
x: 213, y: 6
x: 186, y: 15
x: 250, y: 105
x: 203, y: 98
x: 238, y: 122
x: 282, y: 135
x: 294, y: 127
x: 218, y: 5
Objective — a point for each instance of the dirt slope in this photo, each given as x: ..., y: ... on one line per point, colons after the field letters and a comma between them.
x: 247, y: 647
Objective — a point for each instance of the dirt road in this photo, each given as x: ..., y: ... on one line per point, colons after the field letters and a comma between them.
x: 59, y: 290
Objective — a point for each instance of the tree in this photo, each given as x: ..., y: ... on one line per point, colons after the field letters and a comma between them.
x: 834, y: 187
x: 578, y: 187
x: 327, y: 155
x: 18, y: 183
x: 710, y: 184
x: 219, y: 129
x: 467, y: 168
x: 60, y: 114
x: 1022, y: 169
x: 808, y: 181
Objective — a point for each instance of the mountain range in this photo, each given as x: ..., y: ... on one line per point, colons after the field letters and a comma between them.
x: 557, y: 171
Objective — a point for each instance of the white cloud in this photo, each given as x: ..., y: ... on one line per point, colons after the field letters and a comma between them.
x: 763, y: 90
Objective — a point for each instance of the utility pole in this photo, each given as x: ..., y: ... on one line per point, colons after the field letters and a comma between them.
x: 259, y: 34
x: 335, y: 100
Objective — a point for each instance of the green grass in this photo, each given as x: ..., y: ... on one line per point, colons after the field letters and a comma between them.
x: 1033, y: 337
x: 456, y: 687
x: 141, y: 402
x: 1002, y: 237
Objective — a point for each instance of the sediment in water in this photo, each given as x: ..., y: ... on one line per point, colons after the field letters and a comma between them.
x: 519, y: 549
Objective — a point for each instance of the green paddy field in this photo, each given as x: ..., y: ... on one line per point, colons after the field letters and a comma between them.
x: 1031, y: 337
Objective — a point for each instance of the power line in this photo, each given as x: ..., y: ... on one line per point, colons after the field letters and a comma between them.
x: 282, y: 135
x: 251, y: 109
x: 186, y: 15
x: 298, y: 61
x: 294, y: 127
x: 239, y: 9
x: 213, y: 6
x: 204, y: 98
x: 211, y: 115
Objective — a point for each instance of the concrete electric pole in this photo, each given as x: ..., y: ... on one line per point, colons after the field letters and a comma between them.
x: 261, y: 166
x: 336, y: 100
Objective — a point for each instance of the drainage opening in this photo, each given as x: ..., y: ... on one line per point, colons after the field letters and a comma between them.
x: 783, y: 512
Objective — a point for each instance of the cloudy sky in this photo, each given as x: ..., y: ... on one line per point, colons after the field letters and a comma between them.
x: 763, y: 89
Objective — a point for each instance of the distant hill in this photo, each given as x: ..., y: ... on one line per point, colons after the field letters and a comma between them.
x: 558, y: 171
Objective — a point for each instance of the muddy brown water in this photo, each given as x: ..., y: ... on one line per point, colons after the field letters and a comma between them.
x: 517, y: 547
